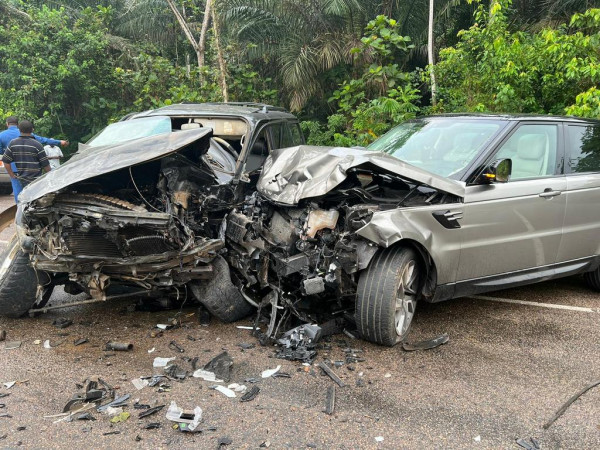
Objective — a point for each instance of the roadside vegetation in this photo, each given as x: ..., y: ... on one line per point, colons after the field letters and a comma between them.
x: 349, y: 69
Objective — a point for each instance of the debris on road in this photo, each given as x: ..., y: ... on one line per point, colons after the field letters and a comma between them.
x: 223, y: 441
x: 206, y: 376
x: 12, y: 345
x: 330, y: 402
x: 568, y: 403
x: 270, y: 372
x: 121, y: 417
x: 93, y: 393
x: 152, y: 426
x: 152, y: 350
x: 85, y: 416
x: 117, y: 402
x: 175, y: 346
x: 161, y: 362
x: 250, y: 395
x: 379, y: 439
x: 176, y: 372
x: 47, y: 343
x: 9, y: 384
x: 62, y: 322
x: 299, y: 343
x: 179, y: 415
x: 532, y: 444
x: 220, y: 365
x: 119, y: 346
x: 2, y: 335
x: 111, y: 433
x: 80, y: 341
x: 150, y: 411
x: 426, y: 345
x: 223, y: 390
x: 140, y: 383
x: 331, y: 374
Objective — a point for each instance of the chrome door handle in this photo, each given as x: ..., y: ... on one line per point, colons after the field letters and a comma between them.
x: 549, y: 193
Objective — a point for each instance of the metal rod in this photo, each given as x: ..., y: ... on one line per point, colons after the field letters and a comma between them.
x: 85, y: 302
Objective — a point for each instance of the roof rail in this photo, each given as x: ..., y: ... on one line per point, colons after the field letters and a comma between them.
x: 263, y: 107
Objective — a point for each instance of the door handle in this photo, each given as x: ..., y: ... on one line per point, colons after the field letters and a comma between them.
x: 549, y: 193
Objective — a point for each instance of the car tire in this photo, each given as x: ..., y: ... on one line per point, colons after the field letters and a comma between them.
x: 18, y: 281
x: 593, y: 279
x: 387, y: 296
x: 220, y: 296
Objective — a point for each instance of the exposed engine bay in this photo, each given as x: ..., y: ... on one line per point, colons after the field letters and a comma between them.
x: 303, y: 262
x: 154, y: 225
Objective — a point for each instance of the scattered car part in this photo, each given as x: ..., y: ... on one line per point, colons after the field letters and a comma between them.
x: 152, y: 426
x: 191, y: 418
x: 12, y: 345
x: 426, y: 345
x: 176, y: 372
x: 223, y: 390
x: 162, y: 362
x: 534, y: 445
x: 151, y: 411
x: 80, y: 341
x: 62, y: 322
x: 85, y: 416
x: 140, y: 383
x: 330, y: 402
x: 220, y: 365
x: 206, y: 375
x: 121, y: 417
x: 119, y: 401
x: 331, y: 374
x: 251, y: 394
x: 270, y: 372
x: 119, y: 346
x: 568, y: 403
x: 175, y: 346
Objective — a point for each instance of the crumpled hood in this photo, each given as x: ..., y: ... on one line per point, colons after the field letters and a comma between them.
x: 94, y: 161
x: 292, y: 174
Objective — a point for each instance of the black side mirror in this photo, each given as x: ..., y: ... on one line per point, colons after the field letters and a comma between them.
x: 497, y: 172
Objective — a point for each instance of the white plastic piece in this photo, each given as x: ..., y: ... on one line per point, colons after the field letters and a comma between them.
x: 152, y: 350
x: 244, y: 327
x: 237, y: 387
x: 113, y: 411
x: 270, y: 372
x: 174, y: 413
x: 161, y: 362
x: 47, y: 343
x: 139, y: 383
x: 9, y: 384
x: 477, y: 438
x: 206, y: 375
x: 162, y: 326
x: 223, y: 390
x: 379, y: 439
x: 37, y: 342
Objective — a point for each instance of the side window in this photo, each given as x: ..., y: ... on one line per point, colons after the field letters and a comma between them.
x: 276, y: 135
x: 259, y: 152
x: 533, y: 151
x: 584, y: 148
x: 297, y: 138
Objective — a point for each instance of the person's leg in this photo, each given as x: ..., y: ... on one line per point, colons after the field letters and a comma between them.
x: 17, y: 188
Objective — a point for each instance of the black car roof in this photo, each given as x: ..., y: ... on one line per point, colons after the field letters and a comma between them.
x: 515, y: 117
x: 251, y: 111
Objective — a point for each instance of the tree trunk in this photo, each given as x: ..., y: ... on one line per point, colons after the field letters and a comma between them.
x: 222, y: 66
x: 202, y: 40
x: 430, y: 54
x: 188, y: 33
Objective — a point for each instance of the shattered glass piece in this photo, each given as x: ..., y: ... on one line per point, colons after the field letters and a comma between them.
x: 426, y: 345
x: 226, y: 391
x: 139, y: 383
x: 161, y: 362
x: 270, y: 372
x: 221, y: 366
x: 174, y: 371
x: 12, y: 345
x: 250, y: 395
x: 206, y: 375
x: 151, y: 411
x: 119, y: 401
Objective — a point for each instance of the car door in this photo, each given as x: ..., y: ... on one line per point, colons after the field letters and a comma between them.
x: 513, y: 226
x: 581, y: 233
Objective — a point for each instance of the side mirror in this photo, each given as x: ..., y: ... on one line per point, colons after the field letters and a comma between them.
x: 497, y: 172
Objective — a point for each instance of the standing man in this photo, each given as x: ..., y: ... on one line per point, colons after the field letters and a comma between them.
x: 27, y: 154
x: 12, y: 132
x: 54, y: 154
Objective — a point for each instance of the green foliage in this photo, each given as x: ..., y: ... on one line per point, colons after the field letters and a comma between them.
x: 382, y: 96
x: 494, y: 69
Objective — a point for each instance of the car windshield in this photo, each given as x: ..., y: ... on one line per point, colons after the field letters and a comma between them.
x: 131, y: 129
x: 442, y: 146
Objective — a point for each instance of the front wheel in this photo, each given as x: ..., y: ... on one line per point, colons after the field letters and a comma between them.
x: 18, y: 281
x: 592, y: 279
x: 387, y: 296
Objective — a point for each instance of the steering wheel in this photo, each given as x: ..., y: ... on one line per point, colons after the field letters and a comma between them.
x: 227, y: 146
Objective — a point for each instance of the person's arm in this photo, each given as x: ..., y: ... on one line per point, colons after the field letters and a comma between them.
x: 49, y: 141
x: 7, y: 159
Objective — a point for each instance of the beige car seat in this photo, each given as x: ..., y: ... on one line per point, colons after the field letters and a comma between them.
x: 531, y: 159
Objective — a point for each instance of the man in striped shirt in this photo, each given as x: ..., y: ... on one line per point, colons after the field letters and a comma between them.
x: 27, y: 154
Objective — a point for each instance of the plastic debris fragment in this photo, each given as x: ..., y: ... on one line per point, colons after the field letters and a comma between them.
x: 191, y: 418
x: 121, y: 417
x: 220, y: 365
x: 206, y: 375
x: 226, y: 391
x: 269, y: 373
x: 140, y: 383
x: 12, y: 345
x: 161, y: 362
x: 151, y: 411
x: 251, y: 394
x: 426, y: 345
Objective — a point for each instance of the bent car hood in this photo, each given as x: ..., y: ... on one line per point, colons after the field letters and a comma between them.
x: 292, y: 174
x: 94, y: 161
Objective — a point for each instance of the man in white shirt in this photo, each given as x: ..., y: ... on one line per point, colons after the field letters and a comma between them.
x: 54, y: 153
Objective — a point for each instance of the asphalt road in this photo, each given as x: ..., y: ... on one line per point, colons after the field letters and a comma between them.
x: 505, y: 371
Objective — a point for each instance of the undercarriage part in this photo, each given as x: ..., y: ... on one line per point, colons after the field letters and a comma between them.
x: 32, y: 312
x: 220, y: 296
x: 19, y: 282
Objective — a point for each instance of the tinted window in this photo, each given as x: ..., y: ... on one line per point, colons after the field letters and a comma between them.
x: 533, y: 151
x: 584, y: 148
x: 297, y: 138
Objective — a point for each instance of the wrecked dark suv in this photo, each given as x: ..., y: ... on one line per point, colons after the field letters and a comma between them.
x: 437, y: 208
x: 140, y: 209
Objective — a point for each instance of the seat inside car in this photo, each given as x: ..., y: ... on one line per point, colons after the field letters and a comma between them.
x: 531, y: 159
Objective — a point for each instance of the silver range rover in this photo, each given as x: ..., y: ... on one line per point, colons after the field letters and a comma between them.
x: 438, y: 208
